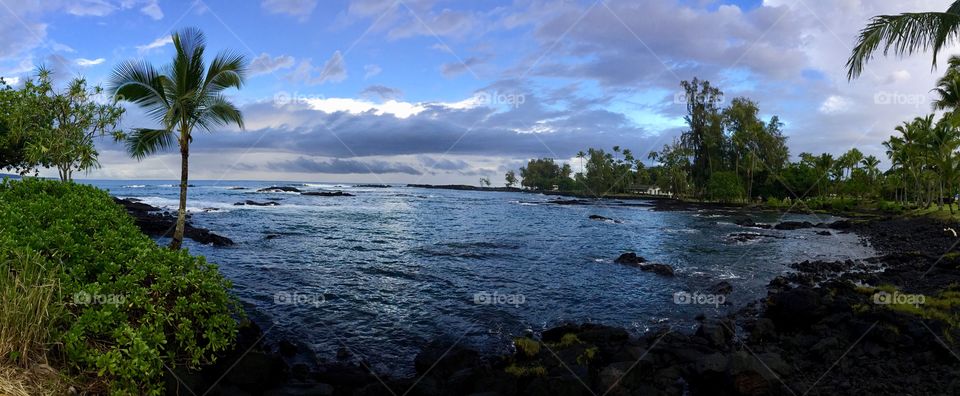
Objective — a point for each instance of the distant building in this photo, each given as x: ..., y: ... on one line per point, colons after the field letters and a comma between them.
x: 647, y: 190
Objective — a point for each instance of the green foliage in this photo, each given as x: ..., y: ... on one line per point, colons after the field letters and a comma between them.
x: 724, y: 187
x: 527, y: 346
x: 68, y: 142
x: 511, y: 178
x: 526, y: 371
x: 131, y: 306
x: 544, y: 174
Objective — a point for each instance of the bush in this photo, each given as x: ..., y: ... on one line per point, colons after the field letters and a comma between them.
x: 724, y: 187
x: 129, y: 306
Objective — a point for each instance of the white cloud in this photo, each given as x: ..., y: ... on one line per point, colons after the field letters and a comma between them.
x: 298, y: 8
x: 91, y: 8
x: 371, y: 71
x: 333, y: 70
x: 265, y: 64
x: 152, y: 10
x: 160, y: 42
x: 83, y: 62
x: 835, y: 104
x: 355, y: 106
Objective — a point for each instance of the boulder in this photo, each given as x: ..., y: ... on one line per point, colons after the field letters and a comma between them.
x: 722, y: 287
x: 660, y: 269
x: 255, y: 203
x: 748, y: 222
x: 327, y: 194
x: 629, y: 258
x: 793, y: 225
x: 279, y: 189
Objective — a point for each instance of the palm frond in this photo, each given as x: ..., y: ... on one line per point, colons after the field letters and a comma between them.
x: 228, y: 70
x: 140, y: 83
x: 143, y: 142
x: 905, y: 34
x: 219, y: 112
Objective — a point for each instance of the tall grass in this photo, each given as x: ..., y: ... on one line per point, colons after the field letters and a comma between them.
x: 29, y: 306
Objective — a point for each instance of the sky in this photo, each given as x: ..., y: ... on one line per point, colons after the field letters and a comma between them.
x: 443, y: 91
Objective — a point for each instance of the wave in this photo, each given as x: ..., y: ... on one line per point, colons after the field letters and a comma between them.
x: 134, y: 186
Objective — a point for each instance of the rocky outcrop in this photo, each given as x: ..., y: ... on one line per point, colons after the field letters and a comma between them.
x: 327, y: 194
x: 633, y: 260
x: 606, y: 219
x: 255, y: 203
x: 155, y: 222
x: 276, y: 189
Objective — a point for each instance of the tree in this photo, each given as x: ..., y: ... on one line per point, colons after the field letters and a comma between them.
x: 511, y: 178
x: 187, y: 94
x: 485, y: 181
x: 905, y: 34
x: 705, y: 137
x: 542, y: 174
x: 67, y: 143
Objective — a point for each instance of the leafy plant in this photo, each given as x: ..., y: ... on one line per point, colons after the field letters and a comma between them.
x: 128, y: 306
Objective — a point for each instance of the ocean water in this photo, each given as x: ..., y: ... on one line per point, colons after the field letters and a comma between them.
x: 390, y: 269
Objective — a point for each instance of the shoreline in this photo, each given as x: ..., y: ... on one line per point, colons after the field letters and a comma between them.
x: 763, y: 348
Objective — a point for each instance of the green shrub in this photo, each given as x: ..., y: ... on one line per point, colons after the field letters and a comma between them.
x: 724, y: 187
x: 131, y: 307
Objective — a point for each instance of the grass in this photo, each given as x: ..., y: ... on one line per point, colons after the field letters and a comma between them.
x: 29, y: 296
x: 40, y: 380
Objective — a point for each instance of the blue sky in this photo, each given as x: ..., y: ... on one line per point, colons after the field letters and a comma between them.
x: 449, y: 91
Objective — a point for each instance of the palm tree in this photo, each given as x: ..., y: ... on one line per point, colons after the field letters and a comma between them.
x: 870, y: 166
x: 581, y: 155
x: 948, y: 90
x: 184, y: 95
x: 905, y: 34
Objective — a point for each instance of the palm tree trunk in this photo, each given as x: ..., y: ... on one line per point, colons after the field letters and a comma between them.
x: 182, y: 212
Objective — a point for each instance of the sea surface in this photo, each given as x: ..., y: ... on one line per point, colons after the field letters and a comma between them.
x: 388, y: 270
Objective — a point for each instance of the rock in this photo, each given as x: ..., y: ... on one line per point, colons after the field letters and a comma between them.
x: 327, y: 194
x: 343, y: 353
x: 748, y: 222
x: 660, y: 269
x: 445, y: 359
x: 257, y: 370
x: 271, y: 236
x: 793, y: 225
x: 763, y: 329
x: 840, y: 225
x: 279, y: 189
x: 795, y: 308
x: 718, y: 333
x: 237, y: 188
x: 152, y: 221
x: 301, y: 390
x: 824, y: 233
x: 601, y: 218
x: 629, y: 258
x: 722, y: 287
x: 286, y: 348
x: 255, y: 203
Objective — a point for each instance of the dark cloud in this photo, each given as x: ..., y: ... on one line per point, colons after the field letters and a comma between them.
x: 444, y: 164
x: 341, y: 166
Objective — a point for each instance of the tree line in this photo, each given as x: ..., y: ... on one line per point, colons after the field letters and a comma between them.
x: 731, y: 154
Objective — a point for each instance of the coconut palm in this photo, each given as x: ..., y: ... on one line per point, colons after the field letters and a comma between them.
x: 184, y: 95
x: 905, y: 34
x: 948, y: 90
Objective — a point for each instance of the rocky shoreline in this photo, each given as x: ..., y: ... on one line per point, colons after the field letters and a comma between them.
x: 819, y: 330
